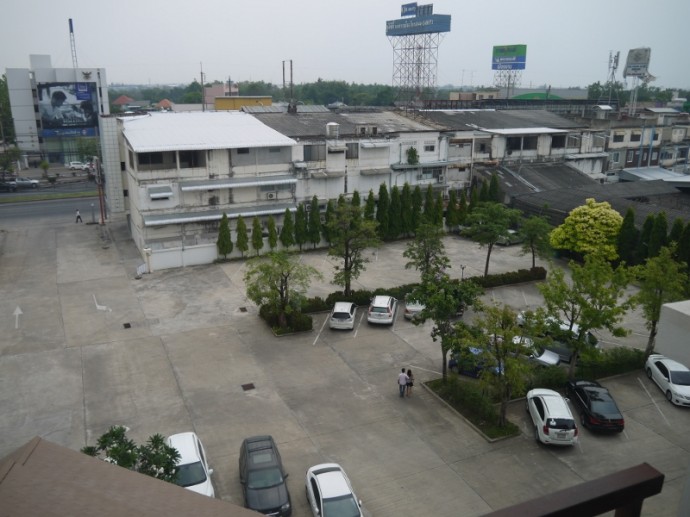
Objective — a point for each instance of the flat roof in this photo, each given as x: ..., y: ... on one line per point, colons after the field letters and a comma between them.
x: 169, y: 131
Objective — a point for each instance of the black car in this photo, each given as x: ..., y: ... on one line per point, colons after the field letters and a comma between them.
x: 263, y: 477
x: 597, y: 408
x: 7, y: 186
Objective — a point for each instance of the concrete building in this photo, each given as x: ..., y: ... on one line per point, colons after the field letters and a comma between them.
x: 55, y: 109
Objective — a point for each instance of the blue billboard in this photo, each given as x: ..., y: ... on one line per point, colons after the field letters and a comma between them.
x: 408, y: 9
x: 418, y: 25
x: 68, y: 109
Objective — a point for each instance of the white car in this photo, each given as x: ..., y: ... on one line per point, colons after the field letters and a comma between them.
x: 412, y: 308
x: 551, y: 416
x: 343, y: 316
x: 330, y: 493
x: 672, y: 377
x: 193, y: 471
x: 382, y: 310
x: 78, y: 166
x: 26, y: 183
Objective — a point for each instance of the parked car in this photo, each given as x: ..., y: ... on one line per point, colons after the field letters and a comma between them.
x: 382, y: 310
x: 560, y: 332
x: 551, y: 416
x: 468, y: 361
x: 672, y: 377
x: 330, y: 493
x: 536, y: 353
x: 7, y: 186
x: 597, y: 408
x: 263, y: 477
x: 193, y: 471
x: 412, y: 308
x: 343, y: 316
x: 78, y: 166
x: 512, y: 237
x: 26, y: 183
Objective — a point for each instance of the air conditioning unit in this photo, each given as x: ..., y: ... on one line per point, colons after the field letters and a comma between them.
x: 441, y: 178
x: 307, y: 207
x: 271, y: 195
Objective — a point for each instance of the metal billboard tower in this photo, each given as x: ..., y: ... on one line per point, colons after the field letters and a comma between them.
x: 415, y: 39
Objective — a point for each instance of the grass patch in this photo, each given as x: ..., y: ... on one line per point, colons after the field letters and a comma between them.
x: 45, y: 196
x: 468, y: 399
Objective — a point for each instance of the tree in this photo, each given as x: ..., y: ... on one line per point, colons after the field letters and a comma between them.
x: 484, y: 192
x: 683, y: 249
x: 645, y: 234
x: 278, y: 280
x: 242, y: 241
x: 272, y: 233
x: 495, y: 193
x: 406, y: 210
x: 412, y: 156
x: 439, y: 208
x: 426, y: 251
x: 301, y: 234
x: 662, y: 280
x: 395, y: 214
x: 356, y: 200
x: 487, y: 223
x: 657, y: 239
x: 590, y: 228
x: 628, y: 237
x: 429, y: 203
x: 349, y: 240
x: 474, y: 199
x: 452, y: 211
x: 590, y: 300
x: 8, y: 160
x: 287, y: 232
x: 416, y: 214
x: 257, y: 235
x: 370, y: 207
x: 155, y: 458
x: 383, y: 211
x: 535, y: 231
x: 462, y: 208
x: 314, y: 223
x: 224, y: 242
x: 330, y: 215
x: 676, y: 231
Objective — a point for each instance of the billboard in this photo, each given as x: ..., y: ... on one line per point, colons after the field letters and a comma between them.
x: 637, y: 64
x: 509, y: 57
x: 68, y: 109
x: 408, y: 9
x: 418, y: 25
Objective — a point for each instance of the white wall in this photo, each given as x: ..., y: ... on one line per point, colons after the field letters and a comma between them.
x: 674, y: 329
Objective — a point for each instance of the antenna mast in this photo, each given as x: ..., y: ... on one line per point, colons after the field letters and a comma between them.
x: 73, y: 45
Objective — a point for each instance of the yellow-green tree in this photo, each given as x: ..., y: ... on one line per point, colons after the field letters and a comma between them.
x: 589, y: 229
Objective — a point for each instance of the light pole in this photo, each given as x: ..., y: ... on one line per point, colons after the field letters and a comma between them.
x: 462, y: 272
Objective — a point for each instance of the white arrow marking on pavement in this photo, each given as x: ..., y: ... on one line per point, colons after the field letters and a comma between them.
x: 101, y: 307
x: 17, y: 312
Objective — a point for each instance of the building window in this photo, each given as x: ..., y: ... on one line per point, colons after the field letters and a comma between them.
x: 615, y: 157
x: 636, y: 136
x: 558, y: 142
x: 618, y: 137
x: 352, y: 151
x: 429, y: 148
x: 150, y: 158
x: 314, y: 153
x: 243, y: 150
x: 656, y: 135
x: 189, y: 159
x: 274, y: 149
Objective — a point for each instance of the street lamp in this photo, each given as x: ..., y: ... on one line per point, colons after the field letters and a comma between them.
x: 462, y: 272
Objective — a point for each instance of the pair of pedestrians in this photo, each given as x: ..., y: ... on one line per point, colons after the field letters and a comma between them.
x: 405, y: 383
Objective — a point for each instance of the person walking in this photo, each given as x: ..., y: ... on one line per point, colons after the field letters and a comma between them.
x: 402, y: 383
x: 78, y: 217
x: 410, y: 382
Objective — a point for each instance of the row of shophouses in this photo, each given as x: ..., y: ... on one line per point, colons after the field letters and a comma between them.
x: 173, y: 175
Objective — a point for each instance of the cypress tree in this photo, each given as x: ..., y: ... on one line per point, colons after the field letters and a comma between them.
x: 257, y: 235
x: 370, y: 207
x: 683, y: 248
x: 438, y: 210
x: 474, y: 199
x: 383, y: 211
x: 676, y: 231
x: 643, y: 247
x: 429, y: 203
x: 462, y: 207
x: 484, y: 192
x: 301, y: 234
x: 224, y: 242
x: 406, y: 210
x: 242, y: 237
x: 272, y: 233
x: 314, y: 222
x: 356, y: 201
x: 495, y: 193
x: 417, y: 201
x: 395, y: 214
x: 657, y: 239
x: 330, y: 215
x: 287, y: 232
x: 628, y: 237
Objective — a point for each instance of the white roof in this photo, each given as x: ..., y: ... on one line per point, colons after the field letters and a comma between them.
x: 157, y: 132
x: 525, y: 131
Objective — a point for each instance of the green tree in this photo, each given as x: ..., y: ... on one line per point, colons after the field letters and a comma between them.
x: 257, y: 235
x: 383, y: 211
x: 417, y: 202
x: 349, y: 240
x: 427, y: 252
x: 591, y: 300
x: 6, y: 121
x: 657, y: 239
x: 406, y: 210
x: 488, y: 222
x: 272, y: 233
x: 278, y: 280
x: 155, y: 458
x: 495, y: 193
x: 330, y: 215
x: 627, y: 238
x: 645, y: 235
x: 314, y: 222
x: 242, y: 241
x: 683, y: 248
x: 224, y: 242
x: 662, y: 280
x: 438, y: 210
x: 356, y: 201
x: 462, y: 208
x: 8, y: 159
x: 484, y: 192
x: 535, y: 231
x: 370, y: 207
x: 453, y: 211
x: 395, y: 214
x: 676, y: 231
x: 474, y: 199
x: 301, y: 226
x: 287, y: 232
x: 590, y: 228
x: 412, y: 156
x: 429, y: 203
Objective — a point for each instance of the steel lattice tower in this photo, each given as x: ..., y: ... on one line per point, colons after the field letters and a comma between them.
x: 507, y: 79
x: 415, y: 64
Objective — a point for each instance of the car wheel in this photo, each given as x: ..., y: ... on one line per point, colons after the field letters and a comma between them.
x: 33, y: 185
x: 669, y: 396
x: 649, y: 373
x: 536, y: 434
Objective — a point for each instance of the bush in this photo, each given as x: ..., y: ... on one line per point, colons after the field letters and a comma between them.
x: 296, y: 321
x: 514, y: 277
x: 611, y: 361
x: 550, y: 377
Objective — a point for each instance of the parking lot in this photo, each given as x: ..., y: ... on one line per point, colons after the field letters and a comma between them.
x: 183, y: 350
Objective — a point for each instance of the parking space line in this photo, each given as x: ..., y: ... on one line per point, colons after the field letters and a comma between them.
x: 361, y: 317
x: 320, y: 331
x: 654, y: 402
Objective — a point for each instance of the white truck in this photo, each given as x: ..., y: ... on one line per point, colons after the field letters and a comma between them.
x: 673, y: 338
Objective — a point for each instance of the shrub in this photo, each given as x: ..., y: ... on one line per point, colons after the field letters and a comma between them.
x: 612, y: 361
x: 296, y: 321
x: 513, y: 277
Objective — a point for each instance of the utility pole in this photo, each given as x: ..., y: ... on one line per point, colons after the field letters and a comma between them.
x: 203, y: 90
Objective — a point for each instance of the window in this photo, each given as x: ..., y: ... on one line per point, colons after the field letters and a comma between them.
x: 243, y: 150
x: 150, y: 158
x: 558, y: 141
x: 314, y: 153
x: 615, y: 157
x: 482, y: 148
x: 656, y: 135
x: 274, y: 149
x: 618, y: 137
x: 352, y: 151
x: 636, y: 136
x: 429, y: 148
x: 189, y: 159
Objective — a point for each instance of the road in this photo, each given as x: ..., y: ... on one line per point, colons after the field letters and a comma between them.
x: 37, y: 212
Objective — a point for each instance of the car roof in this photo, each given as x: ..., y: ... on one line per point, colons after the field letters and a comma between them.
x: 381, y: 300
x: 186, y: 446
x: 556, y: 404
x: 262, y: 450
x: 331, y: 479
x: 672, y: 365
x: 342, y: 306
x: 588, y: 384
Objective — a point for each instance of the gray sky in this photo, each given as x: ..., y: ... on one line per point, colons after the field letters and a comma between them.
x: 163, y: 42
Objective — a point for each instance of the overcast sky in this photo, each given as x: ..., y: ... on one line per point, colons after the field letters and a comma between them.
x: 155, y: 42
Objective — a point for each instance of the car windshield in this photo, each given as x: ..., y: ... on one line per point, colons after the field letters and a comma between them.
x: 344, y: 506
x: 190, y: 474
x: 680, y: 378
x: 604, y: 407
x: 341, y: 315
x: 379, y: 309
x: 264, y: 478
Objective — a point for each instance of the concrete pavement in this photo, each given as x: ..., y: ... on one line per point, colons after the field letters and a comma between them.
x: 175, y: 351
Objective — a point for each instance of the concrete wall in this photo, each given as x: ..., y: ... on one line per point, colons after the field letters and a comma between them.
x: 674, y: 329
